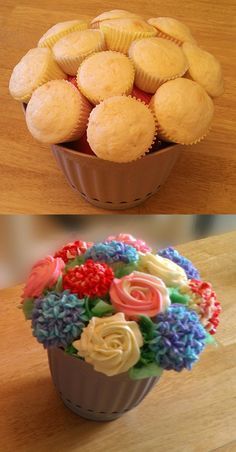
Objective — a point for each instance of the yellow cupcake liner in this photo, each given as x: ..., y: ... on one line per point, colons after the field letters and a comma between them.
x: 51, y: 40
x: 161, y: 34
x: 81, y: 124
x: 52, y: 72
x: 150, y: 83
x: 95, y: 100
x: 167, y: 137
x: 120, y: 40
x: 71, y: 65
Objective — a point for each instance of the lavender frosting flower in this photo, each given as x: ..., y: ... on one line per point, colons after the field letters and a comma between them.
x: 58, y: 319
x: 179, y: 338
x: 112, y: 252
x: 186, y: 264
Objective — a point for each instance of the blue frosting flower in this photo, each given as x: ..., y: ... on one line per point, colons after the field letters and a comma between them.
x: 112, y: 252
x: 179, y: 338
x: 186, y: 264
x: 58, y: 319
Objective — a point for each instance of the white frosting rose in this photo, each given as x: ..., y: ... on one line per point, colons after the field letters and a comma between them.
x: 170, y: 273
x: 110, y: 344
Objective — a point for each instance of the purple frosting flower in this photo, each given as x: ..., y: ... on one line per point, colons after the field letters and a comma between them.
x: 112, y: 252
x: 186, y: 264
x: 58, y: 319
x: 179, y: 338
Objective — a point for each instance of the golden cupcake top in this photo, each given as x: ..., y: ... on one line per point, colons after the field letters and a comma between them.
x: 57, y: 112
x: 121, y: 129
x: 59, y: 30
x: 205, y: 69
x: 172, y: 28
x: 105, y: 74
x: 113, y: 14
x: 34, y: 69
x: 183, y: 110
x: 130, y: 25
x: 73, y: 48
x: 156, y: 60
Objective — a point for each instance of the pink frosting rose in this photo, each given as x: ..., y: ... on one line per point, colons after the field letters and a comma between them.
x: 129, y: 239
x: 44, y: 274
x: 139, y: 294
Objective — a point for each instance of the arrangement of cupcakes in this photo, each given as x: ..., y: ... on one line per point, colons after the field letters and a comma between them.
x: 113, y: 316
x: 120, y: 89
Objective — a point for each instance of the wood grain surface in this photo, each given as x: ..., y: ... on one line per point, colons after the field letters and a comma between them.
x: 203, y: 180
x: 187, y: 412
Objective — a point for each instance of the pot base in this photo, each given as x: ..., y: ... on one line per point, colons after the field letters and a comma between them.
x: 91, y: 414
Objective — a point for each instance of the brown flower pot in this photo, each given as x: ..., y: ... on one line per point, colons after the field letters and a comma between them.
x: 112, y: 185
x: 92, y: 394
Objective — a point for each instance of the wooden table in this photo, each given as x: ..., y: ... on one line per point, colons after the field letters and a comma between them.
x: 203, y: 180
x: 188, y: 412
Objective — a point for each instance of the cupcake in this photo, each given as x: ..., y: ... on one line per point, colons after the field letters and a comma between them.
x: 120, y: 33
x: 172, y: 29
x: 204, y: 69
x: 184, y: 111
x: 121, y: 129
x: 57, y: 112
x: 71, y: 50
x: 105, y: 74
x: 110, y: 15
x: 34, y: 69
x: 156, y: 60
x: 59, y: 30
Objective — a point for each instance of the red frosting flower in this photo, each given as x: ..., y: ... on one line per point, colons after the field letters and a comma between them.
x: 205, y: 302
x: 73, y: 249
x: 91, y: 279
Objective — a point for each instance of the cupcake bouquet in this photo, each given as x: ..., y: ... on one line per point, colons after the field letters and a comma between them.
x: 119, y: 84
x: 121, y: 308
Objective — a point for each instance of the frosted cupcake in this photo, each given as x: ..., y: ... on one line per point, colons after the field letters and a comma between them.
x: 57, y: 112
x: 34, y: 69
x: 120, y: 33
x: 156, y: 60
x: 110, y: 15
x: 204, y: 68
x: 105, y: 74
x: 121, y: 129
x: 59, y: 30
x: 184, y: 111
x: 71, y: 50
x: 172, y: 29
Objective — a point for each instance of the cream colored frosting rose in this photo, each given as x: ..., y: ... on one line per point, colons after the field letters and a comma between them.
x: 139, y: 294
x: 110, y: 344
x: 171, y: 274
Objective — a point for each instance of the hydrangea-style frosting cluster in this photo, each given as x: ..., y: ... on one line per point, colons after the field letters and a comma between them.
x: 121, y: 307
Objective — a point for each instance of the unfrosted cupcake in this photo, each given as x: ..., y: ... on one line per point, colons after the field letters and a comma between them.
x: 59, y: 30
x: 110, y: 15
x: 156, y: 60
x: 105, y: 74
x: 184, y: 111
x: 121, y: 129
x: 34, y: 69
x: 204, y: 68
x: 120, y: 33
x: 71, y: 50
x: 57, y: 112
x: 172, y: 29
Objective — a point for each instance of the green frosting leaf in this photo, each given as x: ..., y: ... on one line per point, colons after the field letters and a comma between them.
x: 58, y: 286
x: 150, y: 370
x: 101, y: 308
x: 121, y: 269
x: 28, y: 307
x: 177, y: 297
x: 147, y: 328
x: 78, y: 260
x: 71, y: 350
x: 210, y: 339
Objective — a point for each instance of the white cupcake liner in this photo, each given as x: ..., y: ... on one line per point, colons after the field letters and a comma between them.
x: 120, y: 40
